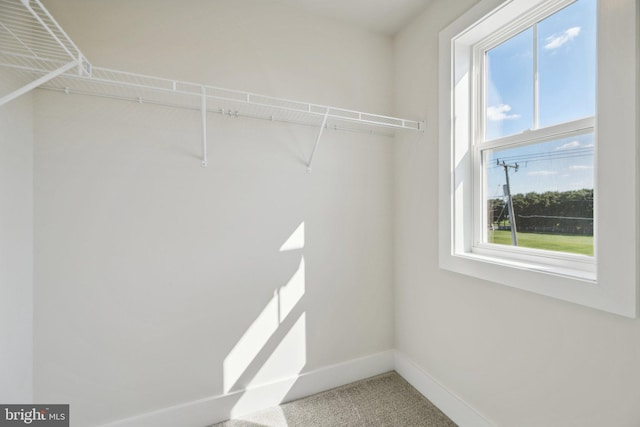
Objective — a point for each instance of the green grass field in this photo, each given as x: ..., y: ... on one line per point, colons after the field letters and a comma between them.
x: 552, y: 242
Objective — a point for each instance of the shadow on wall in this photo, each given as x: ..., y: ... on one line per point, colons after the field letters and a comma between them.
x: 274, y: 345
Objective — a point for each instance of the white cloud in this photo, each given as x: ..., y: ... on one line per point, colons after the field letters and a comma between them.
x: 569, y: 145
x: 499, y: 112
x: 580, y: 167
x: 558, y: 39
x: 542, y: 173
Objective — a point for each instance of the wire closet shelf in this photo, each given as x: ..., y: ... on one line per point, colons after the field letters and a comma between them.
x: 39, y: 54
x: 34, y: 47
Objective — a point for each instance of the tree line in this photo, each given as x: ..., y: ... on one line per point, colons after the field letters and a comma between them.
x: 565, y: 212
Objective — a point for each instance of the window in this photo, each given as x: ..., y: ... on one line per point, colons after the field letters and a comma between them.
x: 529, y: 134
x: 533, y: 140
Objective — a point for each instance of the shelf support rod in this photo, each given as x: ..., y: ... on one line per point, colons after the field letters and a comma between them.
x: 203, y: 113
x: 34, y: 84
x: 315, y: 146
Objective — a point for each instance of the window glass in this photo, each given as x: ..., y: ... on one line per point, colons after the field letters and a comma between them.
x: 551, y: 186
x: 567, y: 64
x: 509, y: 87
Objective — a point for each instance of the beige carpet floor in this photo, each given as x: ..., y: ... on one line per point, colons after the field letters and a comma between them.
x: 385, y: 400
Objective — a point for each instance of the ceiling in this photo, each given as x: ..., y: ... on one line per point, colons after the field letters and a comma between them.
x: 383, y: 16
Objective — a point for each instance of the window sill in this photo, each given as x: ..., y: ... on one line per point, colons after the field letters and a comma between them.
x: 581, y: 275
x: 576, y: 286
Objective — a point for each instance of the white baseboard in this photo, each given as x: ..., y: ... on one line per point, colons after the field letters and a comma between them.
x: 453, y: 406
x: 214, y: 409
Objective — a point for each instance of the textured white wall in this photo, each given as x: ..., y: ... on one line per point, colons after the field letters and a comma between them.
x: 16, y: 246
x: 518, y: 358
x: 151, y: 269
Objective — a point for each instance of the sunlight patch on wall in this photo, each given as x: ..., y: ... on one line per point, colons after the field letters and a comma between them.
x: 295, y: 241
x: 256, y: 337
x: 286, y: 361
x: 292, y: 292
x: 250, y: 344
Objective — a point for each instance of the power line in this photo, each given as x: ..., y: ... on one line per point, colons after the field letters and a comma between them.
x: 553, y: 152
x: 546, y: 156
x: 555, y: 217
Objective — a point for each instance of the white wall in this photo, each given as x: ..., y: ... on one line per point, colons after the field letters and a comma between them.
x: 518, y: 358
x: 16, y: 246
x: 151, y: 270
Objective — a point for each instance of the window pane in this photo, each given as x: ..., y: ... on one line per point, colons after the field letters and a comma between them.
x: 509, y: 87
x: 551, y: 185
x: 567, y: 64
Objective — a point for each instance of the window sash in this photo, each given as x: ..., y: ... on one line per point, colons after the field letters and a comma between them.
x: 494, y: 39
x: 479, y: 205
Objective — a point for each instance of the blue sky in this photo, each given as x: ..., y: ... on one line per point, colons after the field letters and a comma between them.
x: 567, y: 76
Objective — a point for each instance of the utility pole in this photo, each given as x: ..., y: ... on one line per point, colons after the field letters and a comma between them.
x: 512, y: 216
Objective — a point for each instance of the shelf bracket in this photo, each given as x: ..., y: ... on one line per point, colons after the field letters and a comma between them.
x: 203, y: 113
x: 34, y: 84
x: 315, y: 146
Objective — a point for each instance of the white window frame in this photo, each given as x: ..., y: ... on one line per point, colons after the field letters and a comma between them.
x: 581, y: 266
x: 607, y: 281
